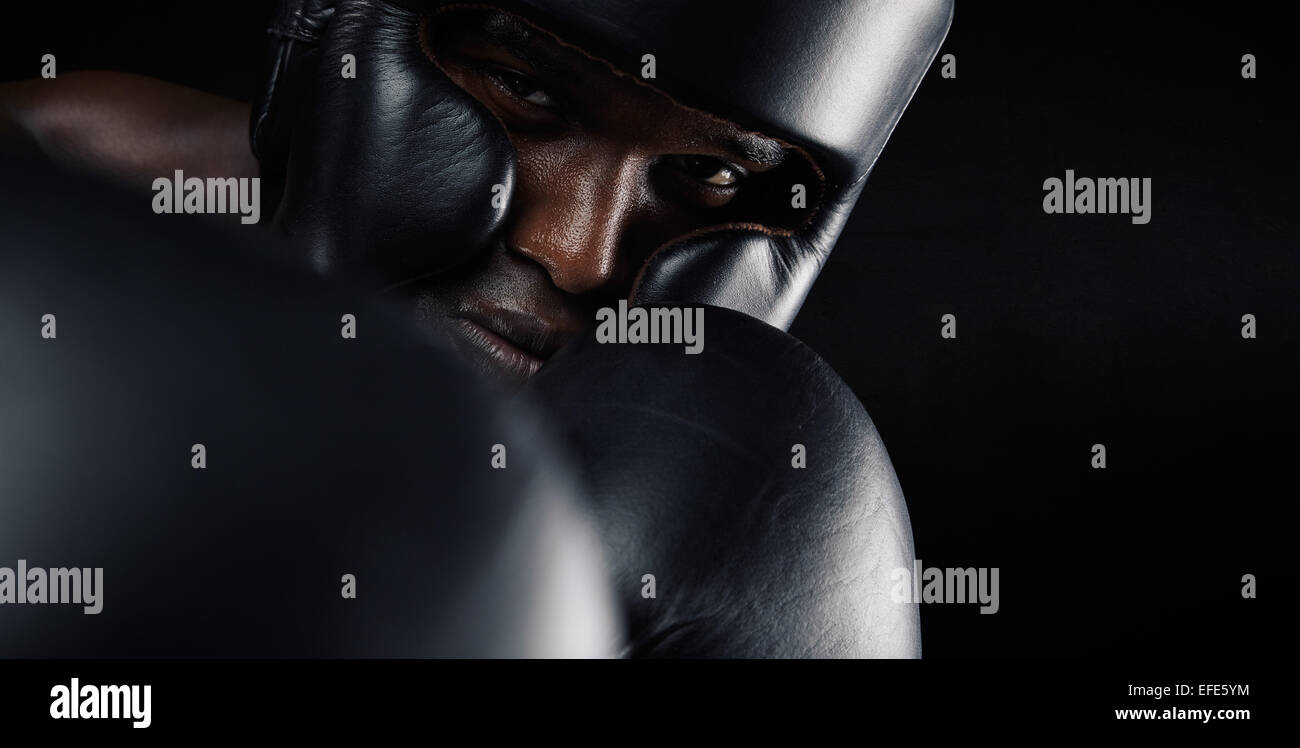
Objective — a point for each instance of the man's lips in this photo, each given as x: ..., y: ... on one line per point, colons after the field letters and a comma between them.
x: 512, y: 342
x: 526, y: 332
x: 495, y: 352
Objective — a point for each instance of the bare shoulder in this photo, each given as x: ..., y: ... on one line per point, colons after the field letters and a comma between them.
x: 129, y: 126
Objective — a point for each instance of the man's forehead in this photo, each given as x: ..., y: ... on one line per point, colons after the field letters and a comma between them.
x: 559, y: 60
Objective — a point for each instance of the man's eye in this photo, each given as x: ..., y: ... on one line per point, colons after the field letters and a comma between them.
x: 711, y: 171
x: 523, y: 88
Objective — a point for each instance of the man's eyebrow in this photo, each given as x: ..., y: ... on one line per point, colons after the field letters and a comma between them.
x: 756, y: 148
x: 524, y: 43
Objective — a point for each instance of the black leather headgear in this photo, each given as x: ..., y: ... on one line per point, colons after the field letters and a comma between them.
x: 828, y: 77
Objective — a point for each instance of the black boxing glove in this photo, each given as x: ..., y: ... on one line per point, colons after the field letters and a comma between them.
x: 750, y: 483
x: 829, y: 78
x: 397, y: 171
x: 129, y: 338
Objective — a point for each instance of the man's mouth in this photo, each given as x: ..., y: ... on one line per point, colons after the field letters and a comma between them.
x: 513, y: 344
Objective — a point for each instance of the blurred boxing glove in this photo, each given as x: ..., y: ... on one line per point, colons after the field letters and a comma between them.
x: 746, y: 501
x: 260, y: 463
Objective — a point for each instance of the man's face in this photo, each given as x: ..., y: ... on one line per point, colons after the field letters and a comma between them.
x: 608, y: 170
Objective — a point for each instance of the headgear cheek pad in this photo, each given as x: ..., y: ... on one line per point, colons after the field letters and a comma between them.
x: 380, y: 163
x: 831, y: 77
x: 414, y: 157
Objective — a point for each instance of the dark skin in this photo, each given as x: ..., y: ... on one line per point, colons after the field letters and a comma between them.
x: 608, y: 171
x: 128, y: 127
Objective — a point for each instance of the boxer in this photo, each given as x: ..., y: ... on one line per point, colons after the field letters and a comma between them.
x: 504, y: 170
x: 612, y: 184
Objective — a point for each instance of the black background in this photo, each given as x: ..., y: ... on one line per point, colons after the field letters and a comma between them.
x: 1072, y: 330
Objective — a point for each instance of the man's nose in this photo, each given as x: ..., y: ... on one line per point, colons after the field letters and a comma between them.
x: 570, y: 216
